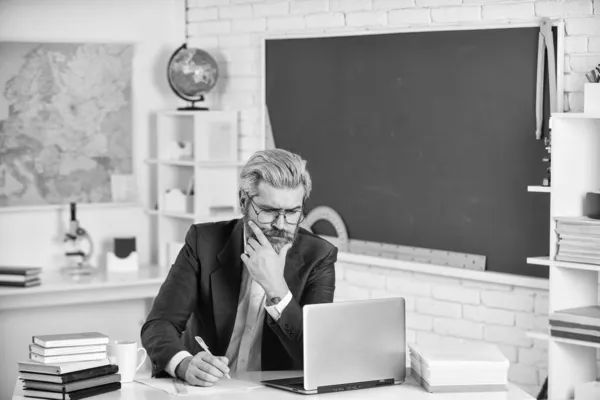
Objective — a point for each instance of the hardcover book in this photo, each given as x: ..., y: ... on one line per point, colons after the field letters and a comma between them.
x: 67, y: 357
x: 73, y: 386
x: 70, y: 339
x: 71, y: 376
x: 59, y: 369
x: 79, y: 394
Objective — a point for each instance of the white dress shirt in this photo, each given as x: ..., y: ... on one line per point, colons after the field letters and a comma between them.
x: 244, y: 349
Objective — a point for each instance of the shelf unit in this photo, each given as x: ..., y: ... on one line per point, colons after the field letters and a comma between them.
x: 575, y: 171
x: 539, y: 189
x: 211, y: 172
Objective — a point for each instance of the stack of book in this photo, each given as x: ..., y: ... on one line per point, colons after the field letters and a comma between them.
x: 20, y: 276
x: 466, y: 367
x: 581, y: 323
x: 68, y: 366
x: 578, y: 240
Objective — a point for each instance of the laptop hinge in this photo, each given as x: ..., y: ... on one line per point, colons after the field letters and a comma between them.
x: 355, y: 385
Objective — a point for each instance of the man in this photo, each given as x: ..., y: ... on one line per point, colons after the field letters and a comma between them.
x: 241, y: 285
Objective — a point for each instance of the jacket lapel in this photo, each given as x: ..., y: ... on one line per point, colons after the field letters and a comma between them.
x: 291, y: 272
x: 225, y: 283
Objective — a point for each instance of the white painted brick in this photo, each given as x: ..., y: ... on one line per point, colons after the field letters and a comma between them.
x: 502, y: 334
x: 458, y: 327
x: 575, y: 101
x: 209, y: 28
x: 409, y: 302
x: 243, y: 83
x: 563, y: 8
x: 271, y: 9
x: 438, y: 308
x: 488, y: 315
x: 204, y: 42
x: 486, y: 286
x: 507, y: 301
x: 522, y: 374
x: 238, y: 101
x: 404, y: 286
x: 576, y: 44
x: 285, y: 23
x: 392, y: 4
x: 584, y: 63
x: 456, y: 14
x: 411, y: 337
x: 350, y: 5
x: 249, y: 25
x: 597, y: 11
x: 510, y: 352
x: 594, y: 43
x: 365, y: 277
x: 340, y: 272
x: 541, y: 305
x: 207, y: 3
x: 512, y: 11
x: 345, y: 292
x: 391, y: 273
x: 246, y: 54
x: 567, y: 65
x: 419, y: 322
x: 436, y: 3
x: 409, y: 16
x: 325, y: 20
x: 241, y: 69
x: 455, y: 293
x: 203, y: 14
x: 542, y: 375
x: 366, y: 18
x: 249, y: 142
x: 583, y: 26
x: 309, y: 6
x: 239, y: 11
x: 574, y: 83
x: 429, y: 338
x: 533, y: 357
x: 245, y: 41
x: 541, y: 344
x: 528, y: 321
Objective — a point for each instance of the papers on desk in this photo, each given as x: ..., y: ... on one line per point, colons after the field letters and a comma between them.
x: 179, y: 388
x: 468, y: 367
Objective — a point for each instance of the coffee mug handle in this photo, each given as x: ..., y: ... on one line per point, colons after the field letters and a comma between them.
x: 143, y: 358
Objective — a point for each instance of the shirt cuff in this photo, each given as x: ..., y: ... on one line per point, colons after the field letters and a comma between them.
x: 174, y: 362
x: 276, y: 310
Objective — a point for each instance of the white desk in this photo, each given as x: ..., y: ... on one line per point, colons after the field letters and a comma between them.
x: 410, y: 390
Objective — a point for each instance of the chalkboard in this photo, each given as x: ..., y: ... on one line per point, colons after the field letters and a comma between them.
x: 422, y: 139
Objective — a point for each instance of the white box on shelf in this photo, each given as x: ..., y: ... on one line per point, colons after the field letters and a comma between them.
x: 216, y: 137
x: 178, y: 202
x: 591, y: 98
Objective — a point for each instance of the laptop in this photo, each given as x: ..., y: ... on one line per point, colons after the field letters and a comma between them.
x: 351, y: 345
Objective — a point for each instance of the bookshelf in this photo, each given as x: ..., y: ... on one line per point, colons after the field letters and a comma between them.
x: 194, y: 168
x: 575, y: 171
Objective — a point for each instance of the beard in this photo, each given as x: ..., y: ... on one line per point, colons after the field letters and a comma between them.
x: 277, y: 237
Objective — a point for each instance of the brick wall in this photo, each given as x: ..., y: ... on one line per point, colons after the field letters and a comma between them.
x: 439, y: 309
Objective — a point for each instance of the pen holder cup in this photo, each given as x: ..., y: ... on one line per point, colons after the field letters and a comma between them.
x: 591, y: 98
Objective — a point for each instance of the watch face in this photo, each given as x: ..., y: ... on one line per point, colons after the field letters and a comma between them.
x: 274, y: 300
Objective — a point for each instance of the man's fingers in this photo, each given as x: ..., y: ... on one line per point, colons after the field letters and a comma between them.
x: 252, y: 244
x: 260, y: 236
x: 216, y: 362
x: 211, y: 370
x: 197, y: 377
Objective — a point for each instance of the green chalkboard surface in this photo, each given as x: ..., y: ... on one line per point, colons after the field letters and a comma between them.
x: 420, y: 139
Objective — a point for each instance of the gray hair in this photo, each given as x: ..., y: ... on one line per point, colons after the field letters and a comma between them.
x: 277, y: 167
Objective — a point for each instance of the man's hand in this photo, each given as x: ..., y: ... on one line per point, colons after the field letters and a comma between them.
x: 203, y: 369
x: 264, y: 264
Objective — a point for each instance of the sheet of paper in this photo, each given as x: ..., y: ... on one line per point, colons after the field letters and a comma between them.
x: 224, y: 385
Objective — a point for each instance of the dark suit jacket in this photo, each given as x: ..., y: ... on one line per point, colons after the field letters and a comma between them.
x: 200, y: 296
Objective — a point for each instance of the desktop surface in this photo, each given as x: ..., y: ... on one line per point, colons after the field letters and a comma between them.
x: 409, y: 390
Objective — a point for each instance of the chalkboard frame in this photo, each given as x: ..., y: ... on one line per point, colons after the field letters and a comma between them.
x: 558, y: 25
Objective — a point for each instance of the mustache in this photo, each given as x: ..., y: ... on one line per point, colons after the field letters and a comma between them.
x: 278, y: 233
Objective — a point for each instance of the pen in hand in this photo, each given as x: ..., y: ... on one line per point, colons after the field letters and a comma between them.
x: 205, y: 348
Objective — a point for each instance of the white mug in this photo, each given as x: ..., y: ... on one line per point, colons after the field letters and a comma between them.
x: 124, y: 353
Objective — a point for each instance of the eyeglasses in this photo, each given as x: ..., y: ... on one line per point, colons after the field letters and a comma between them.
x: 291, y: 217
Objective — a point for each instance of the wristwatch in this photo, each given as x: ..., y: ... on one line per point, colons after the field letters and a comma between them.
x: 273, y: 301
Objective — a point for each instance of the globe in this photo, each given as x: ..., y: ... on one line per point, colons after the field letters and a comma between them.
x: 192, y: 72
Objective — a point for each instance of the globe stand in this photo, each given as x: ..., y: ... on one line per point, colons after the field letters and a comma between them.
x: 192, y: 106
